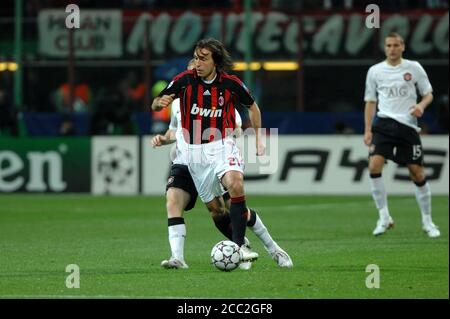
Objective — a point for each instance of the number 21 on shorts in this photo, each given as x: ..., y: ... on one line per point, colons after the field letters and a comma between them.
x: 233, y: 161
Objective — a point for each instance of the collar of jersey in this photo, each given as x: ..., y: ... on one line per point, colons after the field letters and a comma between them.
x: 394, y: 66
x: 210, y: 81
x: 218, y: 77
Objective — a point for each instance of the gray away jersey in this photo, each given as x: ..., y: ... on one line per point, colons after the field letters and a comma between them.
x: 394, y: 88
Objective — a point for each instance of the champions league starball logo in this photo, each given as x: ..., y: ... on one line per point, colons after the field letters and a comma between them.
x: 115, y: 166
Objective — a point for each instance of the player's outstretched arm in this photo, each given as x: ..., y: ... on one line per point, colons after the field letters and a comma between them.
x: 255, y: 118
x: 418, y: 109
x: 369, y: 113
x: 167, y: 138
x: 170, y: 137
x: 161, y: 102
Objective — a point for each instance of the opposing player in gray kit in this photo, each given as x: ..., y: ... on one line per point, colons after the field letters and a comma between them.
x: 393, y: 132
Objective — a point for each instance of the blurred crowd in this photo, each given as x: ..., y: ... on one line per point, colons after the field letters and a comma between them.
x: 8, y: 113
x: 110, y: 107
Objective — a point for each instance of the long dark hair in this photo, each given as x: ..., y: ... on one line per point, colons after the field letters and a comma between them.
x: 220, y: 55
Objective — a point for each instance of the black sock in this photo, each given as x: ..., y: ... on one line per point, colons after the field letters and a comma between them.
x: 251, y: 222
x: 175, y: 221
x: 238, y: 215
x: 420, y: 184
x: 223, y: 224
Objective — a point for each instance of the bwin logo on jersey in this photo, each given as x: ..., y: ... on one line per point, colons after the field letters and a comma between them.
x: 205, y: 112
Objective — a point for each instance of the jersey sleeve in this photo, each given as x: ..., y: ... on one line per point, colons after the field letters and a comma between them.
x: 176, y: 85
x: 370, y: 94
x: 242, y: 92
x: 423, y: 83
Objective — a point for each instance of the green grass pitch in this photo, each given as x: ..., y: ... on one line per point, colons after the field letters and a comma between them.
x: 119, y: 242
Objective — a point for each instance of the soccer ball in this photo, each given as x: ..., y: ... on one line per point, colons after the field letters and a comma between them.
x: 226, y: 255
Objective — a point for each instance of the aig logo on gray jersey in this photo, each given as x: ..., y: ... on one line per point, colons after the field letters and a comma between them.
x: 396, y: 91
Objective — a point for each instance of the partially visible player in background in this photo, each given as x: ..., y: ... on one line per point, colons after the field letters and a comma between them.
x: 394, y: 133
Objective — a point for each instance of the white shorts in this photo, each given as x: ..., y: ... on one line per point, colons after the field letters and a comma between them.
x: 209, y: 162
x: 179, y: 153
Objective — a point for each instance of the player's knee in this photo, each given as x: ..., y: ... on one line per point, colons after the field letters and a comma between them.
x: 375, y: 168
x: 236, y: 187
x: 417, y: 175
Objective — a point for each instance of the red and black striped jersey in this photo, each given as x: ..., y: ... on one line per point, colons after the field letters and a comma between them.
x: 208, y: 110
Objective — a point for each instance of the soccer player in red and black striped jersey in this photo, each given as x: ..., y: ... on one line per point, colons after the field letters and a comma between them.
x: 208, y: 103
x: 208, y: 98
